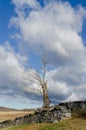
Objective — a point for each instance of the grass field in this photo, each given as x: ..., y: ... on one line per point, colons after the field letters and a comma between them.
x: 77, y: 122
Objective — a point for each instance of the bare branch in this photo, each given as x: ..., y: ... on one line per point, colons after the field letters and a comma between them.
x: 32, y: 89
x: 40, y: 79
x: 44, y: 64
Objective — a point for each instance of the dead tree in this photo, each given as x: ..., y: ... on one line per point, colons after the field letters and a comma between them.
x: 40, y: 79
x: 44, y: 85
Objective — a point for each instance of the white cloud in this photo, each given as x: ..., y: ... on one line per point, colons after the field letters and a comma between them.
x: 56, y: 29
x: 31, y: 3
x: 11, y: 80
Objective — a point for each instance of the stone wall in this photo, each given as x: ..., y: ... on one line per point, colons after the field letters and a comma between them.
x: 52, y: 115
x: 74, y: 105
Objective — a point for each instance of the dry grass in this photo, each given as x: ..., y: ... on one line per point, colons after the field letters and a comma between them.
x: 10, y: 115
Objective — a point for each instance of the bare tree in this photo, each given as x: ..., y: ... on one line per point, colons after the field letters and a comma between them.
x: 40, y: 79
x: 44, y: 84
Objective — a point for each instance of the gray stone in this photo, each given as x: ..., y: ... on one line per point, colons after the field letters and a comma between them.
x: 76, y: 105
x: 55, y: 121
x: 67, y: 115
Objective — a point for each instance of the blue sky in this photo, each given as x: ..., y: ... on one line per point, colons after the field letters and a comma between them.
x: 30, y: 28
x: 6, y: 11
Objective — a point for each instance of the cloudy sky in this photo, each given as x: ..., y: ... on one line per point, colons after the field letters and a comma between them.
x: 30, y: 28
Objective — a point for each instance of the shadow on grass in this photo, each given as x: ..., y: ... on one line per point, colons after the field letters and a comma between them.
x: 80, y: 113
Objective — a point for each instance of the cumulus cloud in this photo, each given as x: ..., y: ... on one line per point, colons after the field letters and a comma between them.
x: 66, y: 86
x: 11, y: 70
x: 55, y: 29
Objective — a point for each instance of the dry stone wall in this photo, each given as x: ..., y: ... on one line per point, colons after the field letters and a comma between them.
x: 74, y: 105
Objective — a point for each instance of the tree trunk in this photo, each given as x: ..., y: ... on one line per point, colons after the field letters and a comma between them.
x: 46, y: 101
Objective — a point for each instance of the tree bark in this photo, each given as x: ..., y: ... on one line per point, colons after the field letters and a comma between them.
x: 46, y: 101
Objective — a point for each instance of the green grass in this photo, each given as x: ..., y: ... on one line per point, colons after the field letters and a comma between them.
x: 53, y: 126
x: 41, y: 127
x: 15, y: 127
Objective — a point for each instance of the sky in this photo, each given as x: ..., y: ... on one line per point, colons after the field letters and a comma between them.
x: 32, y: 28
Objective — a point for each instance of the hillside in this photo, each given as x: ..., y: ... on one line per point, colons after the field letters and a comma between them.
x: 6, y: 109
x: 10, y: 114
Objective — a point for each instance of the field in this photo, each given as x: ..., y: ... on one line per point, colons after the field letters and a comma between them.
x: 10, y: 115
x: 77, y: 122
